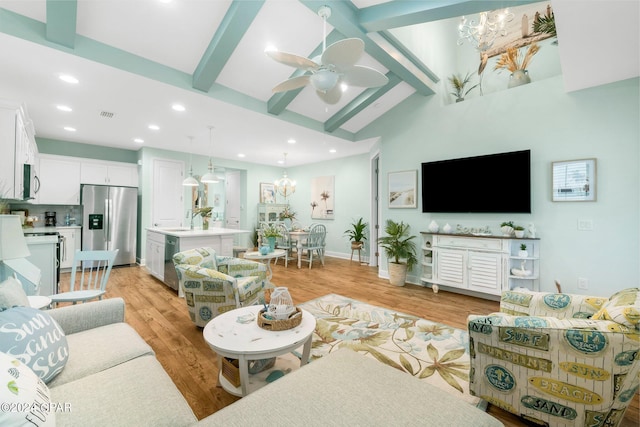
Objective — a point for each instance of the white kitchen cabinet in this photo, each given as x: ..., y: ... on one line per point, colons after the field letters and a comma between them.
x: 71, y: 242
x: 59, y: 180
x: 17, y: 139
x: 155, y: 254
x: 109, y: 173
x: 480, y: 264
x: 43, y: 256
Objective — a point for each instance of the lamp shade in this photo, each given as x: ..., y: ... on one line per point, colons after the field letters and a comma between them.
x: 12, y: 242
x: 324, y: 80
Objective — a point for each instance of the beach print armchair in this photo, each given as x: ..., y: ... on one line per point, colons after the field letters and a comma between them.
x: 558, y: 359
x: 215, y: 284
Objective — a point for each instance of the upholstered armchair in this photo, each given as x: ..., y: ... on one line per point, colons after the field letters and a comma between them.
x: 215, y: 284
x: 558, y: 359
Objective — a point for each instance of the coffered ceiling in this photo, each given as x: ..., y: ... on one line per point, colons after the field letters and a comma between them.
x: 135, y: 59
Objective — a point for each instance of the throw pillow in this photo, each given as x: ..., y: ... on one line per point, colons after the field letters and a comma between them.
x: 25, y: 398
x: 35, y: 338
x: 12, y: 294
x: 623, y: 307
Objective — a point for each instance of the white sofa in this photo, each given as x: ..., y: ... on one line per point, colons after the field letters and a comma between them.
x: 112, y: 378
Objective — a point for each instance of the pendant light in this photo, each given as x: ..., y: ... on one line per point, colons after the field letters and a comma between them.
x: 210, y: 176
x: 190, y: 181
x: 285, y: 185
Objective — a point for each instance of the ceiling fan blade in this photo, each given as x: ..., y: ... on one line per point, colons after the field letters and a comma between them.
x: 292, y: 83
x: 363, y: 76
x: 331, y: 96
x: 343, y: 54
x: 292, y: 60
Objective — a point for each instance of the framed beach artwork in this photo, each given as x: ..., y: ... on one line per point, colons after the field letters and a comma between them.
x: 403, y: 189
x: 267, y: 192
x: 322, y: 197
x: 573, y: 181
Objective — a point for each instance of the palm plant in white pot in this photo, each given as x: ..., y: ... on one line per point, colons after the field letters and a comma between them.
x: 400, y: 250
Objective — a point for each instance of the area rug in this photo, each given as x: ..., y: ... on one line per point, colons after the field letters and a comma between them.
x: 432, y: 352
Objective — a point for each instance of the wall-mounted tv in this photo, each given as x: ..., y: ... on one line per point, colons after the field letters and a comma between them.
x: 494, y: 183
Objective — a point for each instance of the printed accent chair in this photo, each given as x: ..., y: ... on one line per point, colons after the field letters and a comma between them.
x: 546, y: 358
x: 215, y: 284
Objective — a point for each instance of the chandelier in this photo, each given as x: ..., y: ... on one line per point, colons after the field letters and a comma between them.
x: 482, y: 33
x: 285, y: 185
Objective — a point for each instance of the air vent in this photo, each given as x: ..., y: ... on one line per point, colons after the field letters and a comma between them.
x: 106, y: 114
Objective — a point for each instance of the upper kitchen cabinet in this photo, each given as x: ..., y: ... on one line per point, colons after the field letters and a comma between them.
x: 109, y: 173
x: 17, y: 139
x: 59, y: 180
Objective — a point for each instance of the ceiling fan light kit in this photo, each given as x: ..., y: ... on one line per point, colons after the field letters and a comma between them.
x: 331, y: 70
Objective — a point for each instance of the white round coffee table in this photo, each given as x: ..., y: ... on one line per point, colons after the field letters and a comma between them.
x: 257, y: 256
x: 228, y: 337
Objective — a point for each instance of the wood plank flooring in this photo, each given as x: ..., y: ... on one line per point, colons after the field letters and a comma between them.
x: 161, y: 318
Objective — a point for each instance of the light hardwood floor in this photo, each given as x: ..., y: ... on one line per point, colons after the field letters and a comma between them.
x: 161, y: 318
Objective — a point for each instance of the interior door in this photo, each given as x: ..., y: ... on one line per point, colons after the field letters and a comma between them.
x: 167, y: 193
x: 232, y: 210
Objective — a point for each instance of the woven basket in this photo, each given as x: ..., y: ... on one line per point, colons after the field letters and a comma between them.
x: 231, y: 371
x: 279, y: 325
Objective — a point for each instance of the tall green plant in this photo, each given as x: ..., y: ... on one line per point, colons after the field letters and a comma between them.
x: 398, y: 244
x: 357, y: 231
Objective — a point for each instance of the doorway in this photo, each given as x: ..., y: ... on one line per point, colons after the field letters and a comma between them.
x: 374, y: 227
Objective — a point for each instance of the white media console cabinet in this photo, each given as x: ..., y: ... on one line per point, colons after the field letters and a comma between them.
x: 479, y: 264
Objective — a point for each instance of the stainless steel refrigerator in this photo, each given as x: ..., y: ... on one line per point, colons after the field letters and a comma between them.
x: 109, y: 220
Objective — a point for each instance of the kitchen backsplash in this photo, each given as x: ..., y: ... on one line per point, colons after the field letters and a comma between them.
x: 38, y: 212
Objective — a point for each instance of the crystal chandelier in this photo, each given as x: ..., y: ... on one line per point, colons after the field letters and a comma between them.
x: 285, y: 185
x: 482, y: 33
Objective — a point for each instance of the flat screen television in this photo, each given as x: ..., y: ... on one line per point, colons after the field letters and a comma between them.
x: 494, y: 183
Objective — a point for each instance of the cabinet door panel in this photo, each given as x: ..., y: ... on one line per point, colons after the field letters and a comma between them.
x: 485, y: 272
x: 59, y: 182
x: 451, y: 267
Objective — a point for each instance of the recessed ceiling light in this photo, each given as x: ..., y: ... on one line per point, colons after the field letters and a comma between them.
x: 64, y: 108
x: 154, y: 127
x: 280, y: 162
x: 68, y: 78
x: 333, y: 150
x: 178, y: 107
x: 241, y: 155
x: 138, y: 140
x: 291, y: 141
x: 69, y: 128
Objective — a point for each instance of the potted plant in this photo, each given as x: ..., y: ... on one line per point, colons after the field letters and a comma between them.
x: 400, y: 250
x: 506, y: 228
x: 356, y: 233
x: 458, y: 83
x: 519, y: 231
x: 522, y: 253
x: 271, y: 233
x: 205, y: 213
x: 517, y: 64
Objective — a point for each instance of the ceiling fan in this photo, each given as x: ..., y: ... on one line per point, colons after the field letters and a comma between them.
x: 327, y: 72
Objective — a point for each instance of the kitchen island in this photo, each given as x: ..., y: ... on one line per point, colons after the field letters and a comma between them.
x: 163, y: 243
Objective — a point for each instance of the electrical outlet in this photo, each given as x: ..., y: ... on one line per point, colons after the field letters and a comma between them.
x: 583, y: 283
x: 585, y: 225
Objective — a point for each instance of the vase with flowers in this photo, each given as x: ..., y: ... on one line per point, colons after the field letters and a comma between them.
x: 458, y: 83
x: 287, y: 216
x: 514, y: 61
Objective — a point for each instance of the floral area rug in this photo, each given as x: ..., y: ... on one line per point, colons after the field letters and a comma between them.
x: 432, y: 352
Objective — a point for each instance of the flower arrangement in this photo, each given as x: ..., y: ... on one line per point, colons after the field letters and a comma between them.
x: 287, y: 213
x: 271, y: 231
x: 512, y: 59
x: 203, y: 212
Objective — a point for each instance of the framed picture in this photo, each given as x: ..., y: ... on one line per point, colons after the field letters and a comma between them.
x: 573, y: 181
x: 403, y: 189
x: 323, y: 197
x: 267, y: 192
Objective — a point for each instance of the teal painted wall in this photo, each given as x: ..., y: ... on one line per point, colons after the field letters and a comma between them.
x: 600, y: 122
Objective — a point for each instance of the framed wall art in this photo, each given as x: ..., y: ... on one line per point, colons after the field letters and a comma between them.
x: 403, y: 189
x: 267, y: 192
x: 573, y: 181
x: 323, y: 197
